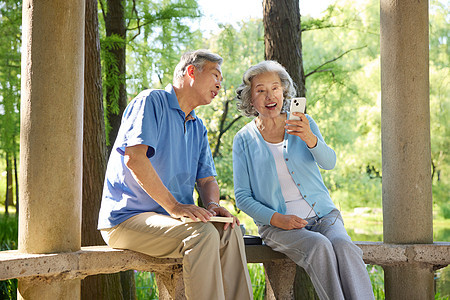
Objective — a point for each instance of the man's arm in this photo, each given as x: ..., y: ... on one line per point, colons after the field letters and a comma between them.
x: 209, y: 191
x: 145, y: 175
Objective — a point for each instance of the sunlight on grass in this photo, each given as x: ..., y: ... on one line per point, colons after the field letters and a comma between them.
x: 11, y: 210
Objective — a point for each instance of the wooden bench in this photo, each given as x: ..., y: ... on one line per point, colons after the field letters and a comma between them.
x: 280, y: 271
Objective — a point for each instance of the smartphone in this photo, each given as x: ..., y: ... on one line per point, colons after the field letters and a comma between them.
x: 297, y: 105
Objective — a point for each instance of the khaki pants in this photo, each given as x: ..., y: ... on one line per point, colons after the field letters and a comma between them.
x: 214, y: 261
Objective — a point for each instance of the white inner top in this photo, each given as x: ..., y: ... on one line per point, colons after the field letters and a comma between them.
x: 295, y: 204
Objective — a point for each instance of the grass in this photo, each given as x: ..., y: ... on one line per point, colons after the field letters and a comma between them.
x: 8, y: 231
x: 8, y: 241
x: 146, y: 288
x: 258, y: 280
x: 376, y: 274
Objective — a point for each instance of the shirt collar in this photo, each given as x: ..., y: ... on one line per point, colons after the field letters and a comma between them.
x: 173, y: 102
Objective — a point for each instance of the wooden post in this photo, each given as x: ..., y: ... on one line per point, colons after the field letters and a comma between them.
x: 51, y: 137
x: 406, y: 150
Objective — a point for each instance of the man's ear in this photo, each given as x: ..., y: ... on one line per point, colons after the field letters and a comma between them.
x: 190, y: 71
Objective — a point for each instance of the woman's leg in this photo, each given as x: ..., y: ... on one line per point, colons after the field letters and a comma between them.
x: 313, y: 252
x: 355, y: 280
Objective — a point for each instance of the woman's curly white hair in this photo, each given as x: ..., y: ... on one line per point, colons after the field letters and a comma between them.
x: 244, y: 91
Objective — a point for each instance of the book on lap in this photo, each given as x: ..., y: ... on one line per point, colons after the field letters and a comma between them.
x: 212, y: 219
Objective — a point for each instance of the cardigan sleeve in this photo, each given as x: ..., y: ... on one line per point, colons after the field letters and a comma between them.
x: 245, y: 199
x: 324, y: 156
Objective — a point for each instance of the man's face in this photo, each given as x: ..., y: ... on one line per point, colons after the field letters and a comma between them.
x: 207, y: 82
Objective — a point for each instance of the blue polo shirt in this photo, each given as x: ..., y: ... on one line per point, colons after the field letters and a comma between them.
x: 178, y: 150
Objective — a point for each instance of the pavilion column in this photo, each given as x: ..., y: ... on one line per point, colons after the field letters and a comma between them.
x: 406, y: 150
x: 51, y: 137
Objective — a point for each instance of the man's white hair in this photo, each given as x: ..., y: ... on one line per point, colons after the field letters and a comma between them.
x: 197, y: 58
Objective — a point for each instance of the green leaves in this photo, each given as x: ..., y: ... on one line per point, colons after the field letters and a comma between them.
x: 158, y: 32
x: 10, y: 43
x: 340, y: 57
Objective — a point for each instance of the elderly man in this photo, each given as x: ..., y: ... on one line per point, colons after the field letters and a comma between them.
x: 160, y: 153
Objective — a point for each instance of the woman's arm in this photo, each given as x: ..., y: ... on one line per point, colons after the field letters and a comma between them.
x: 307, y: 130
x: 245, y: 200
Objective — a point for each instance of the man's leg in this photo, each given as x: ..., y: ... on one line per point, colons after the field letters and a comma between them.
x: 236, y: 279
x: 162, y: 236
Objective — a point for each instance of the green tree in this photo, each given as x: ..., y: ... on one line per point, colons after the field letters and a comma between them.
x: 332, y: 96
x: 10, y: 42
x: 154, y: 34
x: 135, y: 24
x: 102, y: 286
x: 158, y: 36
x: 283, y: 38
x: 114, y: 68
x: 341, y: 60
x: 440, y: 105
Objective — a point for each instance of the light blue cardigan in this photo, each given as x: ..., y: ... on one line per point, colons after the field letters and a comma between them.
x: 256, y: 185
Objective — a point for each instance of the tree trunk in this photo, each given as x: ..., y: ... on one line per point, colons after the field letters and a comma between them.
x: 283, y: 43
x: 115, y: 26
x: 282, y: 38
x: 16, y: 180
x: 9, y: 184
x: 94, y: 159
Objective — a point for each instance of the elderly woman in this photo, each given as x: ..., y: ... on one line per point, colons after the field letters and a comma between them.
x: 277, y: 182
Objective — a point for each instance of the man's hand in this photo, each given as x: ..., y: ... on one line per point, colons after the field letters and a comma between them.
x: 191, y: 211
x: 210, y: 193
x: 222, y: 211
x: 287, y: 222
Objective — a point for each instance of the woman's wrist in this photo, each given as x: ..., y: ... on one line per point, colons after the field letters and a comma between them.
x: 274, y: 219
x: 312, y: 142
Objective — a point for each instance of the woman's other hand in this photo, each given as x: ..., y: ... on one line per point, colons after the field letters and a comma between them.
x: 287, y: 222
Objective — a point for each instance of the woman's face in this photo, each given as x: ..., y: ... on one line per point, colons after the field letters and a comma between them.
x: 267, y: 94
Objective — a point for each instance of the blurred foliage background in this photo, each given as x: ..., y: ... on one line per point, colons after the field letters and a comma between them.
x: 341, y: 59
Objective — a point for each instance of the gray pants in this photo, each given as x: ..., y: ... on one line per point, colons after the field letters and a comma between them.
x: 326, y: 252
